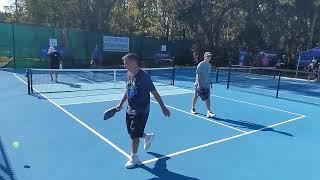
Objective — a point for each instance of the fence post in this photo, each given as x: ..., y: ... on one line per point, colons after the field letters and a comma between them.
x: 13, y: 46
x: 31, y: 82
x: 217, y: 74
x: 28, y: 80
x: 278, y: 87
x: 173, y: 75
x: 229, y: 74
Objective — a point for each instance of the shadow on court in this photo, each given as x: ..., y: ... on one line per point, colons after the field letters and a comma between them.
x: 70, y: 84
x: 6, y: 172
x: 161, y: 172
x: 251, y: 126
x: 248, y: 125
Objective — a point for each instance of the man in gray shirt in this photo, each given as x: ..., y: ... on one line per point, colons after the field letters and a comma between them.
x: 202, y: 84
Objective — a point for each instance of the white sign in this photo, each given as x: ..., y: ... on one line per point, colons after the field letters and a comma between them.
x: 53, y: 42
x: 163, y: 48
x: 115, y: 44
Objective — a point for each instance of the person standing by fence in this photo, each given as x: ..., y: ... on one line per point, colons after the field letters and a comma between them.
x: 55, y: 62
x: 96, y: 57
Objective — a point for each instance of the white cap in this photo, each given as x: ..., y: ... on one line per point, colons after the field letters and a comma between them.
x: 207, y: 54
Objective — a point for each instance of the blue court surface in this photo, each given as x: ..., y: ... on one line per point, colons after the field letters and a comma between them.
x: 62, y: 135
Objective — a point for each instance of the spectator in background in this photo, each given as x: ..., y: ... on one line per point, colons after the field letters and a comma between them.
x: 55, y: 62
x: 313, y: 68
x: 278, y: 66
x: 96, y: 57
x: 265, y: 60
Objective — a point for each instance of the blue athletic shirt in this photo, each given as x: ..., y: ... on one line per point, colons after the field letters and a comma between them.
x: 138, y: 89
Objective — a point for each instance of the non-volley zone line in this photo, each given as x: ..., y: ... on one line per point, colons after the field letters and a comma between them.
x: 79, y: 121
x: 219, y: 141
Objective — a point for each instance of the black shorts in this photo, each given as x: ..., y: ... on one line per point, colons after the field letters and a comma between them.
x: 54, y: 64
x: 204, y: 93
x: 136, y: 124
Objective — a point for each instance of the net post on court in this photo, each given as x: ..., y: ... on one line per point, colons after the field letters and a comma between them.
x: 278, y: 86
x: 229, y: 74
x: 28, y: 80
x: 217, y: 74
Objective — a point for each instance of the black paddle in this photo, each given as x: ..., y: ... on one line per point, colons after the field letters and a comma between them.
x: 110, y: 113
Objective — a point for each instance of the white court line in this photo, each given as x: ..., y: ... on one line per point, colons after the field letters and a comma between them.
x: 201, y: 117
x: 227, y: 99
x: 288, y: 92
x: 214, y: 142
x: 296, y: 79
x: 117, y: 99
x: 281, y: 91
x: 79, y: 121
x: 219, y: 141
x: 90, y: 102
x: 162, y: 92
x: 253, y: 104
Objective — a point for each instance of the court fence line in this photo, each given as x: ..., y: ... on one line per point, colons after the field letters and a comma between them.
x: 278, y: 82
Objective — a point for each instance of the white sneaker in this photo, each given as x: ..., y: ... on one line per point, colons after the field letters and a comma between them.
x: 133, y: 161
x: 193, y: 111
x: 148, y: 141
x: 210, y: 114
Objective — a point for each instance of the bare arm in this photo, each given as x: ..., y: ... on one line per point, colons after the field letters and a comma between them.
x: 123, y: 100
x: 198, y: 76
x: 156, y: 95
x: 158, y: 98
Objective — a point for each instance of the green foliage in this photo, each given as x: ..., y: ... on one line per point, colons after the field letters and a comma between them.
x: 222, y: 27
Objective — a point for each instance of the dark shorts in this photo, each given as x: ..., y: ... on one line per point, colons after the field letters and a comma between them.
x: 136, y: 124
x: 204, y: 93
x: 54, y: 64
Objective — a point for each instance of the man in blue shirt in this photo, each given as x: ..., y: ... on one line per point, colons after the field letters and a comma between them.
x: 138, y: 89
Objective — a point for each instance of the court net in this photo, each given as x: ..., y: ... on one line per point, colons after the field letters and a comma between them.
x: 302, y: 86
x: 70, y: 80
x: 235, y: 74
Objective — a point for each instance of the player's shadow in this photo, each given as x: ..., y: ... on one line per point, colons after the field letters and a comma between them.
x: 250, y: 125
x: 6, y: 172
x: 70, y: 84
x: 161, y: 171
x: 75, y: 87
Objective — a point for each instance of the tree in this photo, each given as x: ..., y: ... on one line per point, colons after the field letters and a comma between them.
x: 220, y: 26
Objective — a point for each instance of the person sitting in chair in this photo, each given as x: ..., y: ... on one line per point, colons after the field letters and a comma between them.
x: 312, y: 68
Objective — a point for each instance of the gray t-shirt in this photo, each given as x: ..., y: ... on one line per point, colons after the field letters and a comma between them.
x: 139, y: 88
x: 203, y: 74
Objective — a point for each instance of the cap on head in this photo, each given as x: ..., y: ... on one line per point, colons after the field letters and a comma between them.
x: 207, y: 54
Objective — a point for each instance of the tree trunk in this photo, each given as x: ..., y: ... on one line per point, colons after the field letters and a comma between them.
x: 313, y: 25
x: 99, y: 12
